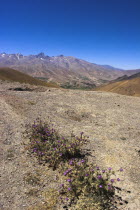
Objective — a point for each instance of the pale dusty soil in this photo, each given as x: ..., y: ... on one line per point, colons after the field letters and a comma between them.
x: 111, y: 121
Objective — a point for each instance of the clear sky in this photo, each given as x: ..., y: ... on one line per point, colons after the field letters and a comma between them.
x: 99, y: 31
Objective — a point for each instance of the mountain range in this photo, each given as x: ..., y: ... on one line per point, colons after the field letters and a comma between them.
x: 67, y: 71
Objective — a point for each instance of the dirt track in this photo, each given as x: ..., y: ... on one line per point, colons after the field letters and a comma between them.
x: 112, y: 122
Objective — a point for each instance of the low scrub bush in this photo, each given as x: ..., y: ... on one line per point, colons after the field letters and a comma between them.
x: 86, y: 185
x: 49, y: 146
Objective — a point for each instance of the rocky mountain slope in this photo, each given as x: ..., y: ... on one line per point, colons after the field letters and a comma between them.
x: 62, y: 69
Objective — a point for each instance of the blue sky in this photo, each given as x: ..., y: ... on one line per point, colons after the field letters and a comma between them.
x: 99, y: 31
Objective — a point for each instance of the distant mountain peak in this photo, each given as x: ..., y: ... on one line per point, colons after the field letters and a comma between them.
x: 41, y: 55
x: 60, y: 55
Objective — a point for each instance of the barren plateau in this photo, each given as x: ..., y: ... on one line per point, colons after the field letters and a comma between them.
x: 111, y: 121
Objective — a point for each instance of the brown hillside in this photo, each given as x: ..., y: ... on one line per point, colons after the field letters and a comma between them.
x: 16, y: 76
x: 130, y: 87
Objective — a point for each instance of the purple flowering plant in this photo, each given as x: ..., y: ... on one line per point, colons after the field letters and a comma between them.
x: 80, y: 178
x: 48, y: 146
x: 85, y: 179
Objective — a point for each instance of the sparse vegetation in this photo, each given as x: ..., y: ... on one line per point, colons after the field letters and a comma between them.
x: 49, y: 146
x: 82, y: 86
x: 98, y: 116
x: 84, y: 184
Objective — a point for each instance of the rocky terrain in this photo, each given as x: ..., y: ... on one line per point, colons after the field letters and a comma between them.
x: 111, y: 120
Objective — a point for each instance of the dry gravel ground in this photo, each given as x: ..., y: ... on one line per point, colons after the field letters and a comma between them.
x: 112, y: 122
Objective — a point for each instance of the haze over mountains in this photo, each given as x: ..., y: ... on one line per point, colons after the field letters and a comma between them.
x: 64, y: 70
